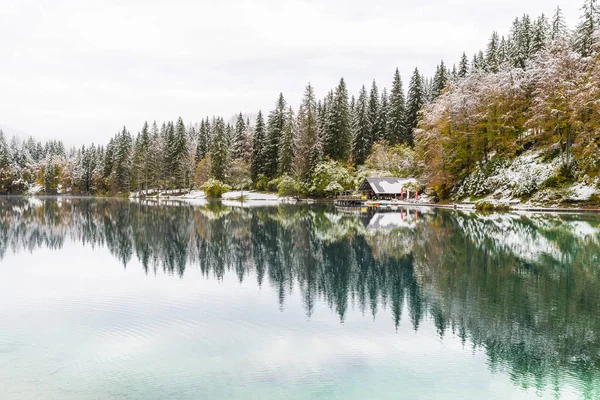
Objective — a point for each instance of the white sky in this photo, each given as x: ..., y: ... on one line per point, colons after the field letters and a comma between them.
x: 80, y: 70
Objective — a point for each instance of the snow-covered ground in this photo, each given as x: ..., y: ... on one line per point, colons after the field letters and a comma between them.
x: 250, y: 196
x: 233, y: 198
x: 523, y: 178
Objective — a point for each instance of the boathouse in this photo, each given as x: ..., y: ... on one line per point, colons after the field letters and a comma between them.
x: 389, y: 188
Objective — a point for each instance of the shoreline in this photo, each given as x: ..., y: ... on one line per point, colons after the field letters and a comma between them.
x: 265, y: 198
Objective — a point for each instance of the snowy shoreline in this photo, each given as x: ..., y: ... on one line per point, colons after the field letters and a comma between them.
x: 233, y: 198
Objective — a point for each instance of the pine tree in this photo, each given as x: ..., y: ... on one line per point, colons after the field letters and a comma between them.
x: 427, y: 89
x: 361, y: 146
x: 169, y: 154
x: 503, y: 52
x: 586, y: 34
x: 141, y: 159
x: 383, y: 114
x: 540, y: 34
x: 396, y: 129
x: 326, y: 125
x: 180, y: 158
x: 521, y: 36
x: 440, y: 80
x: 481, y: 64
x: 414, y: 104
x: 5, y: 157
x: 463, y: 67
x: 122, y: 163
x: 229, y: 135
x: 257, y: 163
x: 219, y: 151
x: 202, y: 145
x: 239, y: 141
x: 337, y: 128
x: 286, y: 148
x: 275, y: 125
x: 373, y: 114
x: 155, y: 160
x: 491, y: 57
x: 559, y: 27
x: 307, y: 132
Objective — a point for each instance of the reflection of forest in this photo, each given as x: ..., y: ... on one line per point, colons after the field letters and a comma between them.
x: 524, y: 288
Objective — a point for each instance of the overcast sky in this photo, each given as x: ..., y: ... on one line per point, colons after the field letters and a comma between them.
x: 80, y: 70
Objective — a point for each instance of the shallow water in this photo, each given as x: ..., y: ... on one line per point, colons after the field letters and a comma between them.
x: 112, y: 299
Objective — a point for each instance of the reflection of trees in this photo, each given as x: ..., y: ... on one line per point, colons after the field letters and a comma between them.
x: 524, y: 288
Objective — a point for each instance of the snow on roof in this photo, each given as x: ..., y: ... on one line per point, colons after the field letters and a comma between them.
x: 387, y: 221
x: 387, y: 185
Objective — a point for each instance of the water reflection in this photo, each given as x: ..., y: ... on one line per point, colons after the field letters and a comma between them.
x: 526, y: 288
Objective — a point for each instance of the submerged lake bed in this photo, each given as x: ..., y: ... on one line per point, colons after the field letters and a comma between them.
x: 119, y: 298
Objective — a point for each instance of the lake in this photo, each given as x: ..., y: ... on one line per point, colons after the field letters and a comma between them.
x: 115, y: 299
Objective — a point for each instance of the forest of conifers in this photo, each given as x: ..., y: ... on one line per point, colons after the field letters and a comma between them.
x: 537, y: 87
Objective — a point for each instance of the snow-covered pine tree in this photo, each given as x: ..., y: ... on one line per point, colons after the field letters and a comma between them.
x: 155, y: 161
x: 491, y: 56
x: 323, y: 123
x: 140, y: 159
x: 239, y: 140
x: 440, y: 80
x: 396, y: 121
x: 337, y: 139
x: 540, y: 34
x: 288, y: 139
x: 586, y: 35
x: 219, y: 151
x: 5, y: 156
x: 202, y: 147
x: 122, y: 162
x: 463, y: 66
x: 275, y: 125
x: 327, y: 125
x: 180, y: 163
x: 229, y: 135
x: 454, y: 73
x: 307, y: 132
x: 558, y: 29
x: 414, y: 104
x: 169, y: 155
x: 384, y: 107
x: 373, y: 115
x: 257, y: 163
x: 361, y: 145
x: 521, y: 36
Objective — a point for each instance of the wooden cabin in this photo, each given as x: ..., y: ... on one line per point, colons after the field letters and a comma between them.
x: 388, y: 188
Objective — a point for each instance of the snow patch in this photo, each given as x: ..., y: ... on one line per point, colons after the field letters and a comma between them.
x: 249, y: 196
x: 582, y: 192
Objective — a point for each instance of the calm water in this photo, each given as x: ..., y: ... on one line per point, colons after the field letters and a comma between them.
x: 111, y: 299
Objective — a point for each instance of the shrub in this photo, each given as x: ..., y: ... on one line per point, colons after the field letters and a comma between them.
x: 215, y: 188
x: 327, y: 172
x: 264, y: 184
x: 288, y: 186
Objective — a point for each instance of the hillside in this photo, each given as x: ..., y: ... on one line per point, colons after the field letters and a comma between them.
x: 519, y: 133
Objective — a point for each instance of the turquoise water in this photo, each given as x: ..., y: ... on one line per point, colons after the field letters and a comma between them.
x: 109, y: 299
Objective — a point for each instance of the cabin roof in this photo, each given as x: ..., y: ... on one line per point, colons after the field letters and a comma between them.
x: 386, y: 185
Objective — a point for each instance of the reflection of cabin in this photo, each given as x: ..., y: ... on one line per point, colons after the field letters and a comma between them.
x: 403, y: 218
x: 388, y: 188
x: 379, y: 189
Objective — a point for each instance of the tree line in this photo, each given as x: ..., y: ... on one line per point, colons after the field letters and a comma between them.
x: 433, y: 125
